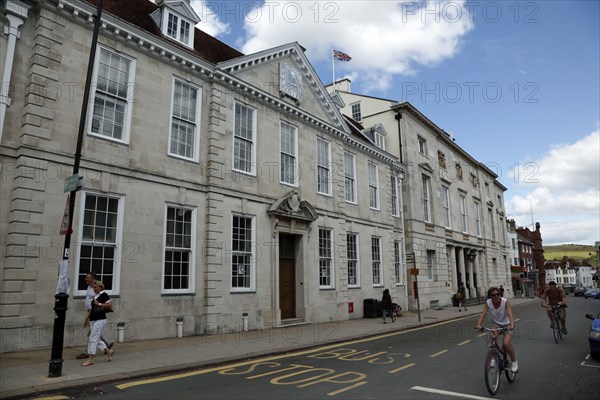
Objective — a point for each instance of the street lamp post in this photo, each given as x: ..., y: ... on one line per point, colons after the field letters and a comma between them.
x: 61, y: 298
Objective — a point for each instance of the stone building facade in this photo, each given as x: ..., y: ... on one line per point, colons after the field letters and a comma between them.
x: 454, y: 214
x: 217, y: 187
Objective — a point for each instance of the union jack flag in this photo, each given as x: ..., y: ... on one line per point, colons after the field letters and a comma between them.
x: 338, y: 55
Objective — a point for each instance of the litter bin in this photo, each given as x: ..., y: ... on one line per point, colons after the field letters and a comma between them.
x: 370, y: 308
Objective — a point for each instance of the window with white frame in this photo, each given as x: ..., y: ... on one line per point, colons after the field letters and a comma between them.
x: 492, y: 227
x: 356, y: 113
x: 463, y: 213
x: 183, y: 136
x: 430, y: 261
x: 352, y: 259
x: 379, y: 140
x: 325, y: 259
x: 373, y: 186
x: 179, y: 29
x: 113, y: 96
x: 477, y: 218
x: 100, y: 238
x: 350, y: 177
x: 398, y: 270
x: 244, y: 133
x: 395, y: 196
x: 446, y: 206
x: 422, y: 145
x: 376, y: 260
x: 323, y: 167
x: 426, y: 203
x: 242, y: 253
x: 179, y: 249
x: 289, y: 154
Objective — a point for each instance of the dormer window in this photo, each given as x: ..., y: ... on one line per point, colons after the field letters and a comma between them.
x: 178, y: 29
x: 379, y: 140
x: 176, y: 20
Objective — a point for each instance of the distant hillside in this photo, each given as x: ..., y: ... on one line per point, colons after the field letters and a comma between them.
x: 577, y: 252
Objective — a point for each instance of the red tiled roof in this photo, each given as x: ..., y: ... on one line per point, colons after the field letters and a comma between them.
x: 137, y: 12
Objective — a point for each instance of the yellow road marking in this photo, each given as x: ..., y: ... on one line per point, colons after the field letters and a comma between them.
x: 401, y: 368
x: 336, y: 392
x: 465, y: 342
x: 439, y: 353
x: 272, y: 358
x: 59, y: 397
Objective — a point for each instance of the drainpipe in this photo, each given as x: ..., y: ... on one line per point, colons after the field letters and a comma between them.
x: 16, y: 12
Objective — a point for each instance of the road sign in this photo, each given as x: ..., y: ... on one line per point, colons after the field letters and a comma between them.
x: 71, y: 183
x: 414, y: 271
x: 410, y: 257
x: 65, y: 228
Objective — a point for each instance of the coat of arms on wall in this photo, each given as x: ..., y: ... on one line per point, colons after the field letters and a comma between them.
x: 291, y: 206
x: 290, y: 81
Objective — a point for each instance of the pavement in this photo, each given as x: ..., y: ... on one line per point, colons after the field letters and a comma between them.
x: 25, y: 374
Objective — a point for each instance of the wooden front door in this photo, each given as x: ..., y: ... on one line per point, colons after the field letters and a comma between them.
x: 287, y: 276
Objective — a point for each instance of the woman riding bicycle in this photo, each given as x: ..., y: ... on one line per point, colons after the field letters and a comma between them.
x: 501, y: 314
x: 555, y: 296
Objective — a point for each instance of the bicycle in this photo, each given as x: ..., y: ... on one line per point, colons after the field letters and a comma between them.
x: 556, y: 331
x: 497, y: 361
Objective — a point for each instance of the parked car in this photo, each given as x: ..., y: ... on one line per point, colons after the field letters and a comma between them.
x: 579, y: 291
x: 594, y: 336
x: 595, y: 293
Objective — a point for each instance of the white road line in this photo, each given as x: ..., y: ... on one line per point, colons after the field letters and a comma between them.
x: 584, y: 363
x: 447, y: 393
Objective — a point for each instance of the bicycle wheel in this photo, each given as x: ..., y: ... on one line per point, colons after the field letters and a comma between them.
x: 491, y: 373
x: 511, y: 376
x: 556, y: 329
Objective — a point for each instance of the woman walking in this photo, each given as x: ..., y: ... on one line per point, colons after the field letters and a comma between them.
x: 97, y: 320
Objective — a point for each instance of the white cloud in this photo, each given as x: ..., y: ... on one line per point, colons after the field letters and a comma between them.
x: 384, y: 38
x: 562, y: 191
x: 210, y: 18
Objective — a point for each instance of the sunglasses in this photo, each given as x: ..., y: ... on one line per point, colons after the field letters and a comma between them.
x: 495, y: 294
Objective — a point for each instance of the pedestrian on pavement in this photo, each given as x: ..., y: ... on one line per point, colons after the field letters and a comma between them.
x: 501, y: 290
x: 500, y: 313
x: 90, y: 277
x: 461, y: 296
x: 386, y: 306
x: 101, y: 304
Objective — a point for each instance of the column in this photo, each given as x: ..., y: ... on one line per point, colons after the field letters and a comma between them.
x: 461, y: 266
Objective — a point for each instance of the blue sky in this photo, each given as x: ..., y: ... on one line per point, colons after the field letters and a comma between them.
x: 516, y: 82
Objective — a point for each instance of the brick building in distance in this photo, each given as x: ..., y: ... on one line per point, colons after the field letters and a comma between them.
x: 537, y: 270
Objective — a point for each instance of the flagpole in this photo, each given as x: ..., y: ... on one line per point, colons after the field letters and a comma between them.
x: 333, y: 69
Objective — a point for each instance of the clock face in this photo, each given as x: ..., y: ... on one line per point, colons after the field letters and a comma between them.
x: 290, y: 81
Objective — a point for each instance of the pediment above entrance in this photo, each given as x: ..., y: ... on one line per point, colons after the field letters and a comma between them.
x: 427, y: 167
x: 293, y: 207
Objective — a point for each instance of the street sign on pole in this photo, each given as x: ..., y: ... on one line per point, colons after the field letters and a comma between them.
x: 65, y: 226
x: 71, y: 183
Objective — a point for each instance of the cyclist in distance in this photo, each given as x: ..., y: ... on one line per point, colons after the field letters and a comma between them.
x: 500, y: 313
x: 554, y: 296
